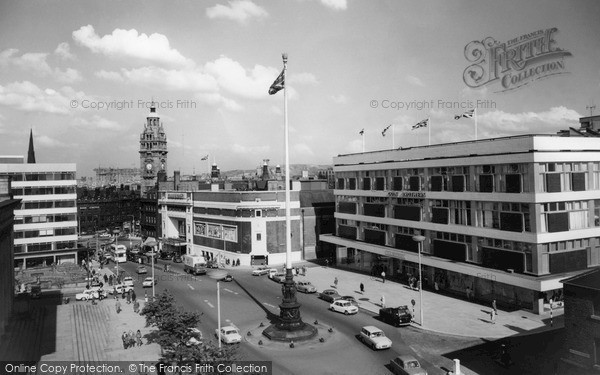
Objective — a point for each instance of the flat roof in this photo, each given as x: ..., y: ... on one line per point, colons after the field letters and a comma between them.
x: 588, y: 280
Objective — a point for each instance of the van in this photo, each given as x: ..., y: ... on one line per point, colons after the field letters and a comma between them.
x: 271, y: 272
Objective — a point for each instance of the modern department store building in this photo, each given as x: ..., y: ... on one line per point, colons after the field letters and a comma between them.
x: 507, y: 218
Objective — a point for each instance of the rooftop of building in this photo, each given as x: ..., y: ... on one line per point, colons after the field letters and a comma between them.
x: 588, y: 280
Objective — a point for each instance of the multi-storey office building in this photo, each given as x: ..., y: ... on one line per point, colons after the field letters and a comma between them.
x: 506, y: 217
x: 248, y: 226
x: 7, y: 279
x: 108, y: 208
x: 45, y: 223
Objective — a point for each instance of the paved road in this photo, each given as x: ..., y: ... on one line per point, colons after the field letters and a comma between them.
x: 247, y: 301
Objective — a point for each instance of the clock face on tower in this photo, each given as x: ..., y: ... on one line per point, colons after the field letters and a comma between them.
x: 149, y: 166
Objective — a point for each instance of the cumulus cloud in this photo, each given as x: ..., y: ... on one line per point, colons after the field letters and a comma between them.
x: 238, y: 10
x: 498, y: 123
x: 235, y: 79
x: 129, y: 43
x: 96, y: 122
x: 335, y: 4
x: 109, y: 76
x: 44, y: 140
x: 63, y: 50
x: 416, y: 81
x: 26, y: 96
x: 36, y: 62
x: 216, y: 99
x: 169, y: 79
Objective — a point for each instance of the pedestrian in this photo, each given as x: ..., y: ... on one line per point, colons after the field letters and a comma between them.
x: 382, y: 300
x: 145, y: 297
x: 435, y: 286
x: 335, y: 282
x: 129, y: 297
x: 136, y: 306
x: 138, y: 337
x: 362, y: 288
x: 125, y: 341
x: 469, y: 293
x: 118, y: 306
x: 492, y: 317
x: 133, y: 295
x: 494, y: 307
x: 131, y: 339
x: 326, y: 262
x: 105, y: 279
x: 383, y: 277
x: 303, y: 270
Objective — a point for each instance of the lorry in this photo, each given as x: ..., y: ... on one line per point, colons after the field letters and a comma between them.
x: 396, y: 316
x: 194, y: 264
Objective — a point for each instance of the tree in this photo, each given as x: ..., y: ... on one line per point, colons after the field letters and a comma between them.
x: 174, y: 333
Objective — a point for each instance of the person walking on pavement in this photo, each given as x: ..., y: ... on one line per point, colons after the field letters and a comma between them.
x: 131, y: 339
x: 129, y: 297
x: 136, y: 306
x: 145, y: 297
x: 133, y: 296
x: 335, y: 282
x: 383, y: 277
x: 382, y: 299
x: 494, y: 307
x: 362, y: 288
x: 118, y: 306
x: 492, y: 317
x: 125, y: 341
x: 138, y: 337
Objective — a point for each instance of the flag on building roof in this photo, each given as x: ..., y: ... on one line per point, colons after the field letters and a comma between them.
x: 421, y: 124
x: 362, y: 132
x: 205, y: 158
x: 385, y: 130
x: 468, y: 114
x: 277, y: 85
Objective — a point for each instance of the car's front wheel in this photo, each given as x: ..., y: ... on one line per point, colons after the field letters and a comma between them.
x: 346, y: 312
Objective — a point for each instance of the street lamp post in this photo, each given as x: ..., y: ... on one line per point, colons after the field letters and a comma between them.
x: 153, y: 254
x: 419, y: 239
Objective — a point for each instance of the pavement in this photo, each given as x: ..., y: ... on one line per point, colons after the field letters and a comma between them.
x: 86, y: 332
x: 82, y: 332
x: 441, y: 313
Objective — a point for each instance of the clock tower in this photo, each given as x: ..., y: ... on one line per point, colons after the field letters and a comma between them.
x: 153, y: 150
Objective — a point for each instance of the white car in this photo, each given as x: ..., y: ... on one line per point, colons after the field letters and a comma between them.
x: 375, y: 338
x: 120, y: 288
x: 147, y: 283
x: 343, y: 306
x: 305, y: 286
x: 197, y: 339
x: 260, y: 271
x: 86, y: 295
x: 278, y: 277
x: 128, y: 281
x: 229, y: 334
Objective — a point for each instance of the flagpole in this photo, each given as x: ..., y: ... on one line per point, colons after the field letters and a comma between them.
x: 475, y: 112
x: 288, y: 225
x: 429, y: 130
x: 363, y: 141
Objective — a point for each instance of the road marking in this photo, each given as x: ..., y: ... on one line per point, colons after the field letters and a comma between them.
x: 268, y: 304
x: 209, y: 304
x: 230, y: 291
x: 191, y: 287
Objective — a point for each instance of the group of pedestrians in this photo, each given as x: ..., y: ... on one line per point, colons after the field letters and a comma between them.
x: 131, y: 299
x: 131, y: 339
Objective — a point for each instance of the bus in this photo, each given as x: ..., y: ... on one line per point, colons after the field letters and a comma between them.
x: 119, y: 253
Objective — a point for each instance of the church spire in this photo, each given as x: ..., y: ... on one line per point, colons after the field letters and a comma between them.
x: 31, y: 152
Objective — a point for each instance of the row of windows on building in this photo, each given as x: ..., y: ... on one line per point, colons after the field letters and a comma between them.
x: 45, y: 218
x: 41, y: 176
x: 48, y: 204
x: 506, y: 178
x: 250, y: 212
x: 45, y: 246
x: 514, y: 217
x: 41, y: 190
x: 50, y: 232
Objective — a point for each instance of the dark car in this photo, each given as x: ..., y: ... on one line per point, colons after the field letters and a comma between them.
x: 227, y: 278
x: 329, y: 295
x: 177, y: 259
x: 396, y: 316
x: 36, y: 291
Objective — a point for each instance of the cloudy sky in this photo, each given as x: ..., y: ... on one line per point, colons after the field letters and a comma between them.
x: 352, y: 65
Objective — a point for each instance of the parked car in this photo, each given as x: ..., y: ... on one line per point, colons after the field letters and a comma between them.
x: 101, y: 292
x: 148, y: 282
x: 227, y: 278
x: 120, y: 288
x: 141, y: 270
x: 278, y: 277
x: 177, y: 259
x: 375, y: 338
x: 343, y: 306
x: 406, y: 365
x: 350, y: 299
x: 396, y: 316
x: 305, y: 286
x: 229, y: 334
x: 86, y: 295
x: 196, y: 338
x: 260, y: 271
x: 128, y: 281
x: 329, y: 295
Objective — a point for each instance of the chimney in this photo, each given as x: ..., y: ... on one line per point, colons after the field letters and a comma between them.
x: 176, y: 180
